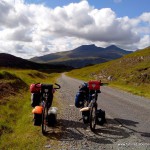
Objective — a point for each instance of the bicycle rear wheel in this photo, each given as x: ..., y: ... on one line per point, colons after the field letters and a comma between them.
x: 93, y: 116
x: 44, y: 120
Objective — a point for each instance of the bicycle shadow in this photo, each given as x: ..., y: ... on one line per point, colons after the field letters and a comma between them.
x: 112, y: 129
x: 129, y: 124
x: 69, y: 130
x: 65, y: 128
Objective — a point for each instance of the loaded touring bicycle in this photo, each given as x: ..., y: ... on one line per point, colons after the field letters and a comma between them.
x: 41, y: 99
x: 86, y: 100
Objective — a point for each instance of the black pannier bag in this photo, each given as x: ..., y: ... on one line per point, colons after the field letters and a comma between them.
x: 35, y: 99
x: 37, y: 119
x: 79, y: 99
x: 85, y: 116
x: 47, y: 89
x: 52, y: 117
x: 37, y: 111
x: 100, y: 117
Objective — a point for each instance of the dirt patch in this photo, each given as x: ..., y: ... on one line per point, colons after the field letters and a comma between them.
x: 10, y: 87
x: 6, y: 90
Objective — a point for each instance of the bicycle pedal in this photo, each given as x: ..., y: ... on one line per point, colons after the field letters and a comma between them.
x: 85, y: 109
x: 80, y: 119
x: 45, y: 122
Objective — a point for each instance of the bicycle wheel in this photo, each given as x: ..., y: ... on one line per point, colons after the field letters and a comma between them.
x: 93, y: 116
x: 44, y: 120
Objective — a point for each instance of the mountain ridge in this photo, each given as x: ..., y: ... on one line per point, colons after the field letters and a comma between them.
x: 83, y: 55
x: 11, y: 61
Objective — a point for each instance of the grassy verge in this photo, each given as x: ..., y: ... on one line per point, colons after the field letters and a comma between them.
x: 16, y: 126
x: 136, y: 88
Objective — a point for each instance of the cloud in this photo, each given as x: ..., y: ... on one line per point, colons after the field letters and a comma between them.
x: 145, y: 17
x: 29, y: 30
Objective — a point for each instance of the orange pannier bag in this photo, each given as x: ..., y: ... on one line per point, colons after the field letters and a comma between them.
x: 94, y: 85
x: 37, y: 110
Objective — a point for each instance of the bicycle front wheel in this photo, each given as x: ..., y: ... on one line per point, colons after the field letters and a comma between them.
x: 93, y: 117
x: 44, y: 120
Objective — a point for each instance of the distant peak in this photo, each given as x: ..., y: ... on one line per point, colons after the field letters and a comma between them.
x: 112, y: 46
x: 91, y: 45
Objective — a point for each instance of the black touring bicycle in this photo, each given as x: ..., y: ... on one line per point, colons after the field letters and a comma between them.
x: 86, y: 100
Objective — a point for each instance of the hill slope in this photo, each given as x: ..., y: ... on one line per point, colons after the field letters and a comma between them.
x: 83, y: 56
x: 10, y: 61
x: 131, y: 72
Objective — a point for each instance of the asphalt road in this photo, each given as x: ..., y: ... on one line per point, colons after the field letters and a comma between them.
x: 133, y: 112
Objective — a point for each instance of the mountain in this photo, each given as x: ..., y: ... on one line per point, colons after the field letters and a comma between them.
x: 83, y: 56
x: 10, y: 61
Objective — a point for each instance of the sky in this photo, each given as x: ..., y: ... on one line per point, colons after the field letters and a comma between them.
x: 30, y: 28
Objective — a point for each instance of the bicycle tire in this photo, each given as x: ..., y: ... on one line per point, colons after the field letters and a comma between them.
x: 44, y: 121
x: 93, y: 116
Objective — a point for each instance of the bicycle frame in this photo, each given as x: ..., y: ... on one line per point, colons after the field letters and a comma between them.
x: 46, y: 105
x: 45, y: 112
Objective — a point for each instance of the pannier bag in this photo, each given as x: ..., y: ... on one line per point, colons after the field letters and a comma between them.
x: 35, y: 99
x: 79, y: 99
x: 35, y: 94
x: 94, y: 85
x: 35, y: 88
x: 52, y: 116
x: 85, y: 116
x: 100, y: 117
x: 37, y: 111
x: 84, y: 88
x: 47, y: 89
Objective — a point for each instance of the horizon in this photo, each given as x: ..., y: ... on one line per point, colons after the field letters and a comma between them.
x: 72, y: 50
x: 32, y: 28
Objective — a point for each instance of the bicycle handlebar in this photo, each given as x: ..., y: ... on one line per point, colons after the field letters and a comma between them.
x: 58, y: 86
x: 104, y: 84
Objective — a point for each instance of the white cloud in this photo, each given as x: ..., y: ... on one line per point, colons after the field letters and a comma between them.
x: 29, y: 30
x: 144, y: 41
x: 145, y: 17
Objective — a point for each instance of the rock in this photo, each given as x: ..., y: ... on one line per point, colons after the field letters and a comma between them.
x: 110, y: 78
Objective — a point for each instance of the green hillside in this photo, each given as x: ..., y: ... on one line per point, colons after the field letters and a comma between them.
x: 131, y: 72
x: 17, y: 131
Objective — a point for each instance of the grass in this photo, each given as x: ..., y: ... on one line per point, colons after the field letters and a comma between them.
x: 130, y: 73
x: 16, y: 127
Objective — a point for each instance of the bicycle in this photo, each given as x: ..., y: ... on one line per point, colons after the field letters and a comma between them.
x: 47, y: 91
x: 90, y: 105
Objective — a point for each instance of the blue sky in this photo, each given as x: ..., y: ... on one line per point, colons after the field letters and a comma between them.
x: 31, y: 28
x: 131, y: 8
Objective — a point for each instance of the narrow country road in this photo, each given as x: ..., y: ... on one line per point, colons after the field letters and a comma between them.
x: 128, y: 121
